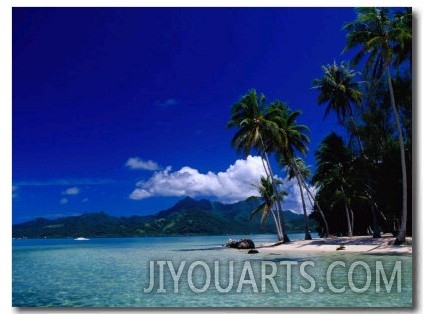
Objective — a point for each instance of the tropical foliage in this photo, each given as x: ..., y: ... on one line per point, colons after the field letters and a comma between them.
x: 256, y: 125
x: 363, y: 177
x: 268, y: 129
x: 268, y: 198
x: 333, y: 175
x: 376, y: 110
x: 385, y: 40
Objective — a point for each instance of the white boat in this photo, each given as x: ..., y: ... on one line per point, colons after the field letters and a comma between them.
x: 81, y: 239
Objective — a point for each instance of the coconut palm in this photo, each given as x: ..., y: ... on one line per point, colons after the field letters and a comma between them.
x: 305, y: 175
x: 269, y: 198
x: 297, y: 169
x: 376, y: 36
x: 402, y: 25
x: 333, y: 167
x: 339, y: 90
x: 255, y: 125
x: 290, y: 140
x: 290, y: 136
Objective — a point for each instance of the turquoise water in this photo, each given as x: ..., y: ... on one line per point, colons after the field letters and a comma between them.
x: 117, y: 273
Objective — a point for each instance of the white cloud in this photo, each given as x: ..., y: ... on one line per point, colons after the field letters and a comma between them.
x: 63, y: 201
x: 293, y: 201
x: 232, y: 185
x: 137, y: 163
x: 71, y: 191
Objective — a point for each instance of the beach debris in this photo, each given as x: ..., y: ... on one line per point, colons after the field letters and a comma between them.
x: 253, y: 251
x: 231, y: 243
x: 341, y: 247
x: 240, y: 244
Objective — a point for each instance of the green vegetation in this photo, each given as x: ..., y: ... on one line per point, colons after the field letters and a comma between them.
x: 268, y: 199
x: 357, y: 184
x: 187, y: 217
x: 385, y: 41
x: 270, y: 129
x: 256, y: 124
x: 333, y: 174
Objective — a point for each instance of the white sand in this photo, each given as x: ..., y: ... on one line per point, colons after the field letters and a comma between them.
x: 358, y: 244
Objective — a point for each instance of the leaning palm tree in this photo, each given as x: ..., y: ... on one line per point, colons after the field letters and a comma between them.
x: 376, y: 35
x: 304, y: 173
x: 255, y: 125
x: 332, y: 173
x: 297, y: 169
x: 339, y: 90
x: 290, y: 140
x: 269, y: 198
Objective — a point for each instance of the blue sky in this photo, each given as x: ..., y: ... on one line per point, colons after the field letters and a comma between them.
x: 124, y: 109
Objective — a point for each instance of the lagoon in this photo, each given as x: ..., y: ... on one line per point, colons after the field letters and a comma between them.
x: 198, y: 271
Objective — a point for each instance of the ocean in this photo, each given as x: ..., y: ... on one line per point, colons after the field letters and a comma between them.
x: 198, y: 271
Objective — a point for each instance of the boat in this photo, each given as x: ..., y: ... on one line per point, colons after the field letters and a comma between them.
x: 81, y: 239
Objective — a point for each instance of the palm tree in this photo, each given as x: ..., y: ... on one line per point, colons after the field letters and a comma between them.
x: 254, y: 125
x: 339, y: 90
x: 304, y: 173
x: 291, y: 139
x: 376, y: 36
x: 333, y: 168
x: 269, y: 198
x: 297, y: 169
x: 402, y: 26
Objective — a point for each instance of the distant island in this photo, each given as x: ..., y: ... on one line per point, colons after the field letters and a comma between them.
x: 187, y: 217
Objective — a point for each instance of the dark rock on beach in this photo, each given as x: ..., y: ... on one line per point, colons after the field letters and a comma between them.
x: 241, y: 244
x: 246, y: 244
x: 231, y: 243
x: 252, y: 251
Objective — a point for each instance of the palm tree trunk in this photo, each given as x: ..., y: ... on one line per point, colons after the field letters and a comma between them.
x: 280, y: 215
x: 284, y: 237
x: 276, y: 221
x: 265, y: 167
x: 347, y: 214
x: 357, y: 136
x: 271, y: 210
x: 402, y: 231
x: 377, y: 233
x: 307, y: 231
x: 316, y: 204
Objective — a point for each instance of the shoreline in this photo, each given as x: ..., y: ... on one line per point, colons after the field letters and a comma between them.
x: 356, y: 244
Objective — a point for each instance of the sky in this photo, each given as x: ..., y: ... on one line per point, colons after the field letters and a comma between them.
x: 300, y: 45
x: 123, y: 110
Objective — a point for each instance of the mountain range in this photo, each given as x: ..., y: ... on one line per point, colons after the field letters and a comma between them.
x: 186, y: 217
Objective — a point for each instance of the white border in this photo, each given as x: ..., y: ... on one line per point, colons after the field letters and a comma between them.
x: 6, y: 123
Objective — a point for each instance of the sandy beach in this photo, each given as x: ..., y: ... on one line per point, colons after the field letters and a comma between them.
x: 357, y: 244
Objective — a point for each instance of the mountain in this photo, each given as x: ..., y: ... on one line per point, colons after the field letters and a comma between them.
x: 187, y: 217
